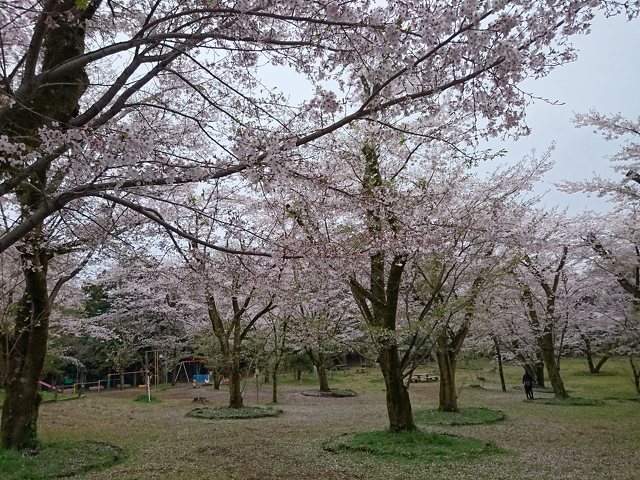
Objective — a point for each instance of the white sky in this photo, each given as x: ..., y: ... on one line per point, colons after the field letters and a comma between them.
x: 605, y: 77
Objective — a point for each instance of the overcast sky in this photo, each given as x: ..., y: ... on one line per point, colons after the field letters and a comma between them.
x: 605, y: 77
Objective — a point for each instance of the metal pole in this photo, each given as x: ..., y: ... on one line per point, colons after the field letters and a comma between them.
x: 148, y: 380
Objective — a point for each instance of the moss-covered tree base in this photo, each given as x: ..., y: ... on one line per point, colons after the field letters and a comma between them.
x: 331, y: 393
x: 408, y: 447
x: 58, y: 460
x: 466, y: 416
x: 224, y: 413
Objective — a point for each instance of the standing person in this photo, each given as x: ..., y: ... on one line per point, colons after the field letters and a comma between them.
x: 527, y: 381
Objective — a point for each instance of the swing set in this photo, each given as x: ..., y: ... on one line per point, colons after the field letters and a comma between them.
x: 182, y: 367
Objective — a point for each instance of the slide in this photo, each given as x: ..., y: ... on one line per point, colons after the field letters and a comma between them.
x: 50, y: 387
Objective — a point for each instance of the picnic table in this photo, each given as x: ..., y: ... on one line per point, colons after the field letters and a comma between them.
x: 341, y: 367
x: 424, y: 377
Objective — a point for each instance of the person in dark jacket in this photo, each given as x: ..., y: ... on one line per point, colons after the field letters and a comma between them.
x: 527, y: 381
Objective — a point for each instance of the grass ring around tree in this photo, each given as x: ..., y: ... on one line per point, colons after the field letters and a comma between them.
x: 466, y: 416
x: 334, y: 393
x: 411, y: 447
x: 225, y: 413
x: 58, y: 460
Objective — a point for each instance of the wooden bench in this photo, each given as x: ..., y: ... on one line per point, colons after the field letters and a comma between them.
x: 361, y: 370
x: 424, y: 377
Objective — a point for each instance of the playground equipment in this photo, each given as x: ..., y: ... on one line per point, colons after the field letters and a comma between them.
x: 51, y: 388
x: 182, y: 367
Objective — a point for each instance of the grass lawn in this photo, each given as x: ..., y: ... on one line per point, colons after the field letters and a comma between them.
x: 535, y: 440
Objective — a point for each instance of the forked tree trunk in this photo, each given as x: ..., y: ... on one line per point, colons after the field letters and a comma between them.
x: 379, y: 303
x: 593, y: 367
x: 230, y: 340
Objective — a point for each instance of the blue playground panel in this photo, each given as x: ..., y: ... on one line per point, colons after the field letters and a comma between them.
x: 202, y: 378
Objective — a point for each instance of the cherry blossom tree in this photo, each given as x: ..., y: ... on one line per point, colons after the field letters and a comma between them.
x: 626, y: 162
x: 120, y: 102
x: 324, y: 322
x: 389, y: 208
x: 613, y: 238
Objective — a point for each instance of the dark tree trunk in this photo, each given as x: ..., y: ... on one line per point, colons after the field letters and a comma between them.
x: 236, y: 333
x: 496, y: 343
x: 601, y: 362
x: 549, y: 358
x: 399, y: 408
x: 20, y: 410
x: 121, y: 379
x: 235, y: 388
x: 588, y: 354
x: 378, y: 303
x: 319, y: 360
x: 538, y: 374
x: 57, y: 101
x: 4, y: 359
x: 323, y: 379
x: 217, y: 378
x: 636, y: 374
x: 448, y: 399
x: 274, y: 386
x: 588, y: 351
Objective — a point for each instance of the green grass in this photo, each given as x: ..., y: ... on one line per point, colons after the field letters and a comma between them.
x: 574, y: 401
x: 57, y: 460
x: 224, y: 413
x: 466, y: 416
x: 417, y: 446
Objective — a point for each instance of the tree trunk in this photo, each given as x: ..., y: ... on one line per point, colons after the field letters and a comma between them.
x: 636, y: 374
x: 399, y: 408
x: 57, y: 101
x: 548, y: 356
x: 588, y: 354
x: 121, y: 372
x: 379, y: 303
x: 599, y: 365
x: 538, y: 374
x: 18, y: 429
x: 323, y: 379
x: 216, y: 375
x: 235, y: 388
x: 448, y: 399
x: 320, y: 362
x: 500, y: 369
x: 274, y: 385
